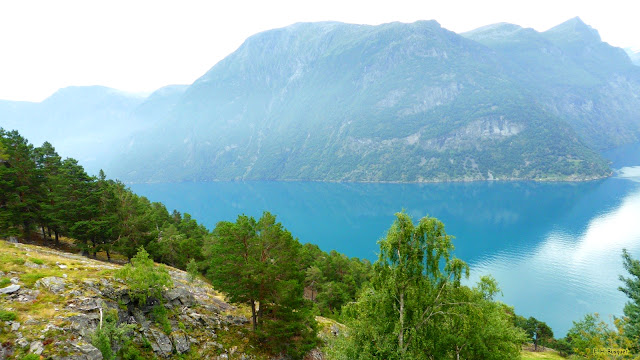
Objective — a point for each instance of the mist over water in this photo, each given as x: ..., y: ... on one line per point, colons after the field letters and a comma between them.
x: 555, y: 248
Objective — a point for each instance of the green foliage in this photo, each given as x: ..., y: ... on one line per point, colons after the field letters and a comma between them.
x: 537, y: 331
x: 255, y: 263
x: 36, y: 261
x: 192, y: 270
x: 111, y: 335
x: 143, y: 278
x: 631, y: 288
x: 159, y: 314
x: 416, y: 307
x: 4, y: 282
x: 7, y: 315
x: 31, y: 357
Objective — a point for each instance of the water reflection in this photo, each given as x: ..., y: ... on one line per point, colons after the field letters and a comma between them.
x: 570, y: 273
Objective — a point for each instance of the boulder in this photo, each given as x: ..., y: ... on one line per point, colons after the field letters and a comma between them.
x: 180, y: 341
x: 178, y: 296
x: 52, y: 283
x: 89, y: 351
x: 84, y: 324
x: 10, y: 289
x: 33, y: 265
x: 36, y: 347
x: 161, y: 344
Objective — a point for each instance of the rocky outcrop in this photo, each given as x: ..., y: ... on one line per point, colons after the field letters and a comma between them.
x: 77, y: 303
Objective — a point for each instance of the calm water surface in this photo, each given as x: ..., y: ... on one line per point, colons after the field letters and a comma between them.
x: 555, y: 248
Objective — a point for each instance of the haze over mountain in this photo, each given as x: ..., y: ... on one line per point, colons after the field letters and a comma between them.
x: 86, y: 122
x: 393, y: 102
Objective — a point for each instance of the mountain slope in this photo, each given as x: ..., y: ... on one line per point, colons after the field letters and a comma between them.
x: 340, y: 102
x: 85, y: 122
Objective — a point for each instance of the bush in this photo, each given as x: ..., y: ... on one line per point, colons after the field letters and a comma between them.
x: 31, y: 357
x: 159, y: 316
x: 110, y: 335
x: 144, y: 278
x: 7, y: 315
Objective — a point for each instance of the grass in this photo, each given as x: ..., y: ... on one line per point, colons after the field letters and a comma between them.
x: 4, y: 282
x: 7, y: 315
x: 36, y: 261
x: 531, y: 355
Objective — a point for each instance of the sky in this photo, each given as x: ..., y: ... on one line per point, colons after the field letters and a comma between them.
x: 139, y: 46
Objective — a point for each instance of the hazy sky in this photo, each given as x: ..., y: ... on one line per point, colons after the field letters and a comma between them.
x: 139, y: 46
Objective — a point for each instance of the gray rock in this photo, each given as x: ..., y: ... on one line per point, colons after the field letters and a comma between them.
x: 180, y: 341
x: 15, y: 326
x: 6, y: 351
x: 24, y: 295
x: 36, y: 347
x: 179, y: 296
x: 62, y: 266
x: 33, y: 265
x: 89, y: 351
x: 22, y: 342
x: 84, y: 324
x: 14, y: 280
x: 1, y: 273
x: 164, y: 346
x: 13, y: 239
x: 10, y: 289
x: 51, y: 283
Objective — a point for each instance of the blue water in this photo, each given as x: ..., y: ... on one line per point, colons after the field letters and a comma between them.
x: 555, y: 248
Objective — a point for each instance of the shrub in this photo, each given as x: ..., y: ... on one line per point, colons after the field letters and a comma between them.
x: 159, y: 315
x: 110, y: 335
x: 144, y: 278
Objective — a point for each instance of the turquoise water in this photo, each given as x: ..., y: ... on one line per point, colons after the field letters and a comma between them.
x: 555, y: 248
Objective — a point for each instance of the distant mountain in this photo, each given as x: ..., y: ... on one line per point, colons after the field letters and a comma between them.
x: 634, y: 55
x: 85, y: 122
x: 340, y: 102
x: 398, y: 102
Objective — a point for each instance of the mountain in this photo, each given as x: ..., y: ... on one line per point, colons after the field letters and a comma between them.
x: 398, y: 102
x: 634, y: 55
x: 85, y: 122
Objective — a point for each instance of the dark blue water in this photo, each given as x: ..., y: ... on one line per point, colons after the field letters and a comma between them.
x: 555, y: 248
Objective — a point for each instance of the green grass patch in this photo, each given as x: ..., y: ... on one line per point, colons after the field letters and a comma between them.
x: 36, y: 261
x: 7, y: 315
x: 4, y: 282
x: 546, y: 355
x: 31, y: 278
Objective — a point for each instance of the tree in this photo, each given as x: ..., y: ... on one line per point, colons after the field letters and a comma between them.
x: 631, y: 288
x: 538, y: 331
x: 20, y: 185
x: 144, y: 278
x: 416, y: 307
x: 255, y: 262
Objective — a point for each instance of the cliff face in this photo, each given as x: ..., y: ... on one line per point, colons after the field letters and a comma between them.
x: 52, y: 302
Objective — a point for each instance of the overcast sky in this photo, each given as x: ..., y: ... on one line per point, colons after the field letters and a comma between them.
x: 139, y: 46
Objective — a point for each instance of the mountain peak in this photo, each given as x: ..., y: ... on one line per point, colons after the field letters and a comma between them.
x: 574, y: 29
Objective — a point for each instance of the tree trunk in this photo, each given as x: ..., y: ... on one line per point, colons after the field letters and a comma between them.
x: 401, y: 334
x: 535, y: 344
x: 44, y: 235
x: 253, y: 315
x: 108, y: 255
x: 57, y: 237
x: 49, y: 231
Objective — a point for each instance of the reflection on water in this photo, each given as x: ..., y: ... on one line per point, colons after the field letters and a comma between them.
x: 570, y: 274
